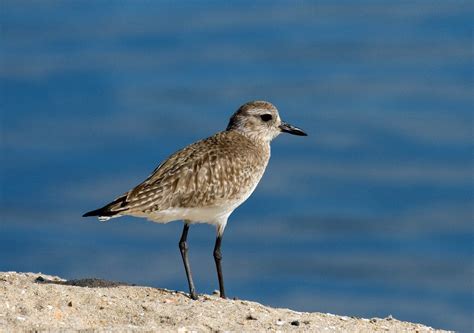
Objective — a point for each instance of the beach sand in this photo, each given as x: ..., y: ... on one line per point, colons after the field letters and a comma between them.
x: 35, y: 301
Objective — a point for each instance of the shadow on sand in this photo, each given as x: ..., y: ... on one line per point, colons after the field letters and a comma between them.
x: 89, y: 283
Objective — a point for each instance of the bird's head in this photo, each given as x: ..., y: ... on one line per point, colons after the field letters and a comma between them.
x: 260, y: 120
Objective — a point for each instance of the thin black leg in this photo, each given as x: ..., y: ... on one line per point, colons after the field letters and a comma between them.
x: 218, y: 258
x: 183, y: 248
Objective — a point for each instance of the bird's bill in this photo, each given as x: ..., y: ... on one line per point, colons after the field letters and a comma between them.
x: 287, y: 128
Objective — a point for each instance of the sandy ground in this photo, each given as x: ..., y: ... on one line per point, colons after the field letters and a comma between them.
x: 39, y: 302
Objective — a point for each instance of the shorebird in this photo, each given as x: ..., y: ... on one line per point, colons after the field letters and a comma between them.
x: 205, y: 181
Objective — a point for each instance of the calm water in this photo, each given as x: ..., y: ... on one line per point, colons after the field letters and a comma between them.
x: 370, y: 215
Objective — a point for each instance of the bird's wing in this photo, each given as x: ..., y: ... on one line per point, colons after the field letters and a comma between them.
x: 205, y: 173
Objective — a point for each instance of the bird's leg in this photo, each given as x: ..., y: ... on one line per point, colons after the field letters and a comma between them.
x: 218, y: 258
x: 183, y: 248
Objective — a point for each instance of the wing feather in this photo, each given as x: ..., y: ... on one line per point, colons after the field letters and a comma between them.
x: 202, y: 174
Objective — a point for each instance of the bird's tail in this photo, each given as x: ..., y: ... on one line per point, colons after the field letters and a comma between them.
x: 111, y: 210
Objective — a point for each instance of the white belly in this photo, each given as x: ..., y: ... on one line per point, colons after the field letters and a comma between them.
x: 196, y: 214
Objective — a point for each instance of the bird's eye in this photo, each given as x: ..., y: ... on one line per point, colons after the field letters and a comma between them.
x: 266, y: 117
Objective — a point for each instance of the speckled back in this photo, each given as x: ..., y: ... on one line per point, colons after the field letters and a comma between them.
x: 215, y: 171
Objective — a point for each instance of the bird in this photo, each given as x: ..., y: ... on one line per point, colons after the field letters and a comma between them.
x: 207, y: 180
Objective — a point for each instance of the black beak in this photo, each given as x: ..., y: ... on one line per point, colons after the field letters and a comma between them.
x: 285, y: 127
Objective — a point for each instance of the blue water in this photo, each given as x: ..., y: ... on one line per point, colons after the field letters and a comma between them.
x: 369, y: 215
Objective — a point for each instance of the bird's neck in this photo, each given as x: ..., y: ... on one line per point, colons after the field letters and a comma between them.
x: 255, y: 137
x: 255, y: 145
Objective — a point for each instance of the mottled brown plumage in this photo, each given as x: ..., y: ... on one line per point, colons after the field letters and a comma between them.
x: 208, y: 173
x: 207, y: 180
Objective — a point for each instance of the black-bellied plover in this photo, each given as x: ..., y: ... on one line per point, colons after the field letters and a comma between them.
x: 207, y: 180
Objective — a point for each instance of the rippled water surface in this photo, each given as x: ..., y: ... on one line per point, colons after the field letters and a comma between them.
x: 369, y: 215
